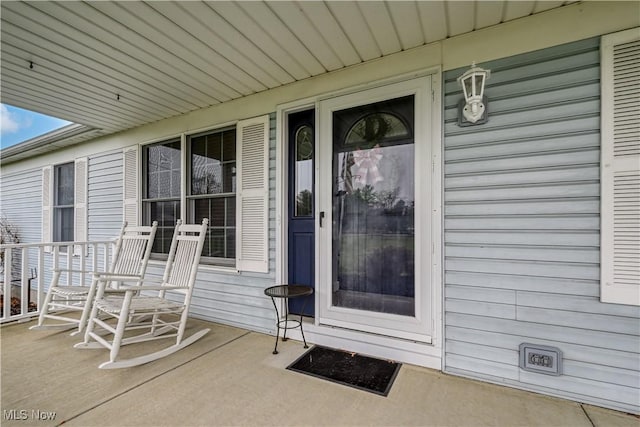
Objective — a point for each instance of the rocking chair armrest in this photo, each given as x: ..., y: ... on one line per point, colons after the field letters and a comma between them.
x: 158, y: 287
x: 72, y: 270
x: 115, y: 276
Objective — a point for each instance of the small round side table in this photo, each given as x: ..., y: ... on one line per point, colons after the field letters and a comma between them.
x: 286, y: 292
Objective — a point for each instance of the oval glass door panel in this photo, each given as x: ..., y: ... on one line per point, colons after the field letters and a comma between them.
x: 304, y: 171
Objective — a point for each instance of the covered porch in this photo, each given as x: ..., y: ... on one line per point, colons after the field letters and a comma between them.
x: 230, y: 377
x: 508, y: 248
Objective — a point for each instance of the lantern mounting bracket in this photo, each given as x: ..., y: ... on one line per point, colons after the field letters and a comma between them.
x: 462, y: 119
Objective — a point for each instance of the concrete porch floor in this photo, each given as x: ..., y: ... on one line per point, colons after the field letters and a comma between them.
x: 230, y: 378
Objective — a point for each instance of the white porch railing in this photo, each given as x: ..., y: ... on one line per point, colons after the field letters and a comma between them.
x: 23, y: 291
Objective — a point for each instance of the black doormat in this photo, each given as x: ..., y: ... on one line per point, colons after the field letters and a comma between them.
x: 350, y: 369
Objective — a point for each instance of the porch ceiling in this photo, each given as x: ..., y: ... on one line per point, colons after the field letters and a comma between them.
x: 116, y: 65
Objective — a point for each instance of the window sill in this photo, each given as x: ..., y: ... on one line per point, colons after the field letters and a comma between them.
x: 219, y: 269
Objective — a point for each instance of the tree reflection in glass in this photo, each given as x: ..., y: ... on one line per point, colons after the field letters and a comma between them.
x: 373, y: 211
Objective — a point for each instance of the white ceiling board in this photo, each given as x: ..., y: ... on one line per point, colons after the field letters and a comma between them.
x: 379, y: 21
x: 263, y: 16
x: 541, y: 6
x: 54, y: 107
x: 93, y: 61
x: 207, y: 63
x: 407, y: 23
x: 93, y: 95
x: 166, y: 60
x: 244, y: 23
x: 113, y: 45
x: 302, y: 27
x: 488, y: 13
x: 434, y: 20
x: 321, y: 18
x: 62, y: 69
x: 122, y: 112
x: 517, y: 9
x: 211, y: 29
x: 52, y: 71
x: 71, y: 97
x: 460, y: 17
x: 355, y: 27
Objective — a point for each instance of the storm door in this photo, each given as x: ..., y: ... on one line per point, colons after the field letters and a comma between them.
x: 373, y: 179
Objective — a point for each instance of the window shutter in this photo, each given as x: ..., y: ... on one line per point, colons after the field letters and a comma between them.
x: 620, y: 168
x: 80, y: 219
x: 47, y: 196
x: 130, y: 185
x: 252, y: 197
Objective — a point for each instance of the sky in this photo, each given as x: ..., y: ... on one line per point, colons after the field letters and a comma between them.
x: 17, y: 125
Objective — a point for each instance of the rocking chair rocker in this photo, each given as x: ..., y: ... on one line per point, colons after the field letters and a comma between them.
x: 130, y: 257
x: 157, y: 316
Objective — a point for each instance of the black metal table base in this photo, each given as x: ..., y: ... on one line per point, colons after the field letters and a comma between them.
x: 285, y: 292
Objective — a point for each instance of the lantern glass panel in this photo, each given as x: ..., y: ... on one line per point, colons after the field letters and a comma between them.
x: 479, y: 78
x: 467, y: 86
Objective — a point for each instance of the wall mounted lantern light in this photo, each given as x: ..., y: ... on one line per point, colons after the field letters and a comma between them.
x: 473, y: 109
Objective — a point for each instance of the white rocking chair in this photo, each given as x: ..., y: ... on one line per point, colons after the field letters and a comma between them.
x: 130, y: 257
x: 157, y: 316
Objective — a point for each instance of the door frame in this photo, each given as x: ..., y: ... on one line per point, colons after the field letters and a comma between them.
x: 426, y: 354
x: 282, y: 181
x: 293, y: 222
x: 420, y: 326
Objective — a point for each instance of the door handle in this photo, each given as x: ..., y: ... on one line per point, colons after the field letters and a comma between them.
x: 321, y: 217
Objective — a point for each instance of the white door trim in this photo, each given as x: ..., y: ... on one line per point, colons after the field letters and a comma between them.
x: 282, y: 185
x: 422, y: 327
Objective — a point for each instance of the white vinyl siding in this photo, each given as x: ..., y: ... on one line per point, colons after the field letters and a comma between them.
x: 21, y: 199
x: 130, y: 185
x: 620, y: 172
x: 253, y: 195
x: 105, y: 194
x: 522, y: 232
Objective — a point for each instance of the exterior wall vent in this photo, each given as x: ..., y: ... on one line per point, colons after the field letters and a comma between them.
x: 542, y: 359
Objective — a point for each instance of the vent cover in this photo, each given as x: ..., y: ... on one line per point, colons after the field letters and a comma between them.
x: 541, y: 359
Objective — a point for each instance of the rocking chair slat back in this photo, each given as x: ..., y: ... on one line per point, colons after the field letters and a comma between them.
x: 185, y: 249
x: 132, y: 255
